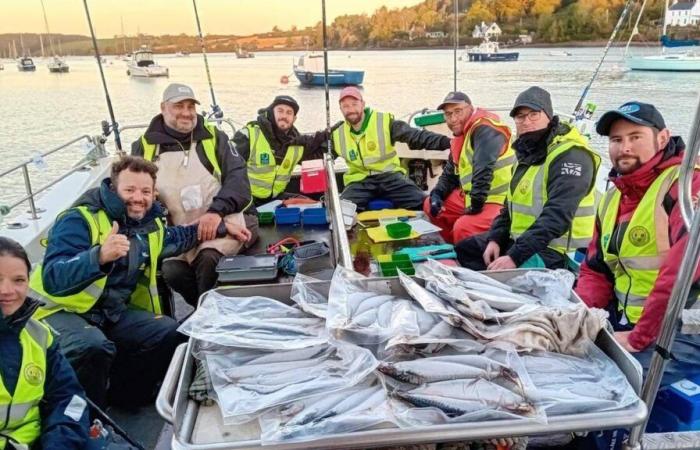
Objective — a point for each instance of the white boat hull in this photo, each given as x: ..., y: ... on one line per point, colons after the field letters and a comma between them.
x: 147, y: 71
x: 665, y: 63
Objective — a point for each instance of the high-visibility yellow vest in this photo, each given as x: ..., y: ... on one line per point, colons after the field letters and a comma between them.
x: 19, y: 413
x: 368, y: 153
x: 209, y: 145
x: 502, y: 170
x: 145, y: 295
x: 643, y: 247
x: 527, y: 199
x: 267, y: 178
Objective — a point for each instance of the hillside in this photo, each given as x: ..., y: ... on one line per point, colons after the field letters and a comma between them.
x: 547, y: 21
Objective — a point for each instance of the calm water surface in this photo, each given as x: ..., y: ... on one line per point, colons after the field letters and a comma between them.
x: 41, y: 110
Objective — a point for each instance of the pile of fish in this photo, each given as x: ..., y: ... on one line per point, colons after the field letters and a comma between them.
x: 492, y: 311
x: 459, y: 385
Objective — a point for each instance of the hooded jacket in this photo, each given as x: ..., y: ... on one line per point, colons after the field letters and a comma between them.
x: 71, y: 263
x: 58, y: 430
x: 596, y: 284
x: 564, y: 191
x: 234, y: 195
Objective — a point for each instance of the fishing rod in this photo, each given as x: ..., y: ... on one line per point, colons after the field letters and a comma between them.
x: 106, y: 128
x: 216, y: 110
x: 628, y: 6
x: 456, y: 44
x: 325, y: 77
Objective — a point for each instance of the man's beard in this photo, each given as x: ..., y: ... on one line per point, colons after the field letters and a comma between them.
x: 628, y: 169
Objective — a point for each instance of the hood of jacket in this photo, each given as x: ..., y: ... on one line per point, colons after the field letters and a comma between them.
x: 105, y: 198
x: 158, y: 133
x: 634, y: 185
x: 278, y: 139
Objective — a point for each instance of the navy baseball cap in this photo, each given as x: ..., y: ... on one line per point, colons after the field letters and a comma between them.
x: 636, y: 112
x: 455, y: 98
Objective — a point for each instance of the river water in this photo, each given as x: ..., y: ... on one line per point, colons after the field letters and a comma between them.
x: 42, y: 110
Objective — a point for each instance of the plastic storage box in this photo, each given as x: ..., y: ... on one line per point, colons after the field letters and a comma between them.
x: 389, y: 265
x: 287, y: 216
x: 398, y: 230
x: 314, y: 216
x: 266, y: 218
x: 430, y: 119
x: 313, y: 177
x: 247, y: 268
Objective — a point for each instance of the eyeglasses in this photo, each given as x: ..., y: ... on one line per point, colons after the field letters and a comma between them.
x: 532, y: 115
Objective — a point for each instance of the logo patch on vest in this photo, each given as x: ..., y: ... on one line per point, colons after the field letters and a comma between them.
x: 371, y: 146
x: 639, y: 236
x: 265, y: 159
x: 33, y: 374
x: 524, y: 186
x: 353, y: 155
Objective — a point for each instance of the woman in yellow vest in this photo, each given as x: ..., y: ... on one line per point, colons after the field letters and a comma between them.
x: 41, y: 402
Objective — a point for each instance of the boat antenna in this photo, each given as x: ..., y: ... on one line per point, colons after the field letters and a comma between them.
x: 625, y: 11
x: 215, y: 109
x: 456, y: 44
x: 115, y: 126
x: 325, y: 77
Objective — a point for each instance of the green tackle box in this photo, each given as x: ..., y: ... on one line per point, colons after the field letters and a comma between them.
x: 433, y: 118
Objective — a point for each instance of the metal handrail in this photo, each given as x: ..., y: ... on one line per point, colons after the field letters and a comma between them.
x: 685, y: 195
x: 31, y: 194
x: 681, y: 287
x: 340, y: 237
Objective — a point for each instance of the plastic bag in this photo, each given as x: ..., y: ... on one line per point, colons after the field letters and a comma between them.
x: 552, y: 288
x: 250, y: 381
x: 253, y: 322
x: 359, y: 314
x: 574, y: 385
x: 352, y: 409
x: 453, y: 387
x: 308, y: 297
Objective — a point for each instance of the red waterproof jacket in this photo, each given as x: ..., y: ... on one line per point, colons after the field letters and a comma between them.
x: 595, y: 283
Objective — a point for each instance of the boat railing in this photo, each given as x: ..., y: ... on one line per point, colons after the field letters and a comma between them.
x: 219, y: 121
x: 96, y: 152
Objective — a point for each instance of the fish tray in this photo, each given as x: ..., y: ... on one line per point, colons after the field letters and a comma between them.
x: 197, y: 427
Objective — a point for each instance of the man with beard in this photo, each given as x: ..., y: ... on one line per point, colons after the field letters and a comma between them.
x: 550, y: 208
x: 269, y: 145
x: 640, y: 237
x: 473, y: 185
x: 201, y: 178
x: 99, y: 289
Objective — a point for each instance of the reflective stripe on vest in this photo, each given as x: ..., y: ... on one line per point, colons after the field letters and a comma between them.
x: 502, y: 169
x: 209, y: 145
x: 526, y: 201
x: 19, y: 413
x: 644, y: 246
x: 267, y: 178
x: 368, y: 153
x: 145, y: 295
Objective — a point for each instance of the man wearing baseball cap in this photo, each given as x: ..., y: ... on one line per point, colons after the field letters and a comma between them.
x: 551, y: 198
x: 200, y: 178
x: 640, y: 237
x: 270, y: 146
x: 473, y: 185
x: 365, y: 139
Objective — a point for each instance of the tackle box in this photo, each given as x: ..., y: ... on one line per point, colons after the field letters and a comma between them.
x: 238, y: 268
x: 287, y: 216
x: 428, y: 119
x: 314, y: 216
x: 389, y: 265
x: 266, y: 218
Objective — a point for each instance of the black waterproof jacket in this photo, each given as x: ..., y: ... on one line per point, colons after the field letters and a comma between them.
x: 564, y: 190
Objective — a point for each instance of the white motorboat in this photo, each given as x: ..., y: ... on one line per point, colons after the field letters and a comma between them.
x: 143, y: 65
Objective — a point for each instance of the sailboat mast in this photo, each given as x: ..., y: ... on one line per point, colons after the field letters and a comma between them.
x: 41, y: 44
x: 663, y: 49
x: 48, y: 32
x: 123, y: 35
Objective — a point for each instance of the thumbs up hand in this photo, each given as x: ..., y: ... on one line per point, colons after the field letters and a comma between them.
x: 115, y: 246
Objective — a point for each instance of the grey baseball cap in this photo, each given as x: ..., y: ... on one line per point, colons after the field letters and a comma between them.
x: 536, y: 99
x: 455, y: 97
x: 177, y: 92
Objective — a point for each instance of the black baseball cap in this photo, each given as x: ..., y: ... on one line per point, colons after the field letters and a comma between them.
x: 454, y: 98
x: 536, y: 99
x: 286, y: 100
x: 640, y: 113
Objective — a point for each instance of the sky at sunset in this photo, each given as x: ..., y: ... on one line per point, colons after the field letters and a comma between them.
x: 176, y: 16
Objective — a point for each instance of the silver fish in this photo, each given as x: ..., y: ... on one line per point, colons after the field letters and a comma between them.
x: 451, y: 406
x: 425, y: 370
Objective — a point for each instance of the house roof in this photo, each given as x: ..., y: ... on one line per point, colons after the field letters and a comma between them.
x: 682, y: 6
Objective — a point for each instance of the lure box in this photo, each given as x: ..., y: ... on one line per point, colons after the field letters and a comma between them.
x: 247, y: 268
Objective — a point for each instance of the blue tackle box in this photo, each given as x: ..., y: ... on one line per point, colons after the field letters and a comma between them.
x: 287, y: 216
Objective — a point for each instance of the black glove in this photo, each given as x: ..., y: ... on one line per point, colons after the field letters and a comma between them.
x: 435, y: 204
x: 475, y: 208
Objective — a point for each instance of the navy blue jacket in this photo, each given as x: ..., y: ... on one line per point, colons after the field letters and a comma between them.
x: 58, y: 430
x: 71, y: 263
